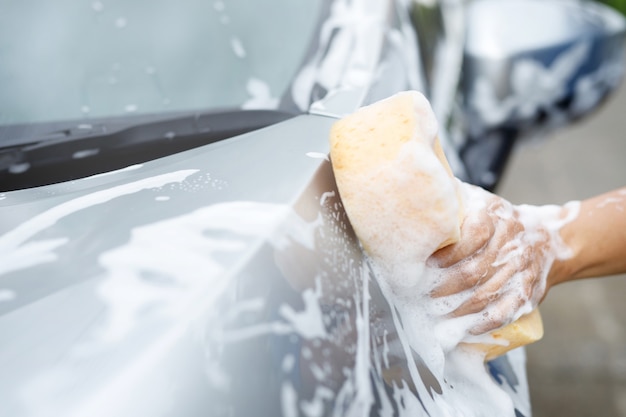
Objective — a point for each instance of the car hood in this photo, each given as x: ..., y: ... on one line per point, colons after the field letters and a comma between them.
x: 105, y: 279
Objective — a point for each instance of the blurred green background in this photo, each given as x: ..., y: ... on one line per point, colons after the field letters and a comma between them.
x: 618, y: 4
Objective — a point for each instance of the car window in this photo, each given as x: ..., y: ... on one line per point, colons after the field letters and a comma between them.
x: 84, y: 59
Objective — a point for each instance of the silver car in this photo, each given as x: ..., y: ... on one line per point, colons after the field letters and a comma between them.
x: 171, y: 239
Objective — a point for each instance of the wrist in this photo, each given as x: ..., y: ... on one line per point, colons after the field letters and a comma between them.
x: 567, y: 247
x: 560, y: 272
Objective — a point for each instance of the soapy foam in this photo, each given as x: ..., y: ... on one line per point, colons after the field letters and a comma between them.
x: 349, y: 38
x: 427, y: 128
x: 614, y: 201
x: 260, y: 95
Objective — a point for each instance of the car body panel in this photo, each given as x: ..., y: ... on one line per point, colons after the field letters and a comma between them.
x: 223, y: 280
x: 54, y: 252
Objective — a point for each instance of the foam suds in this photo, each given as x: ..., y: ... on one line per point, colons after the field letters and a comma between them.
x: 260, y: 96
x: 349, y: 39
x: 616, y: 202
x: 237, y: 47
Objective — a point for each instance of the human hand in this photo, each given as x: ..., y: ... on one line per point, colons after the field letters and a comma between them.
x: 497, y: 271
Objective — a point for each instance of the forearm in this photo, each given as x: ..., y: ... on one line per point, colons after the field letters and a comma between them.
x: 596, y: 239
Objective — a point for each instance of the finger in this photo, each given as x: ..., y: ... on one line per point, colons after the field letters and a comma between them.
x: 462, y: 277
x: 476, y: 231
x: 483, y: 237
x: 504, y: 239
x: 535, y: 288
x: 498, y: 315
x: 487, y: 293
x: 477, y: 268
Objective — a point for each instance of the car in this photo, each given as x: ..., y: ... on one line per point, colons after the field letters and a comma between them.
x: 172, y: 241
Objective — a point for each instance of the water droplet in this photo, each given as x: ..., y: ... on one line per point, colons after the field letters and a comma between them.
x: 219, y: 6
x: 121, y: 22
x: 85, y: 109
x: 170, y: 135
x: 131, y: 108
x: 238, y: 48
x: 97, y: 6
x: 7, y: 295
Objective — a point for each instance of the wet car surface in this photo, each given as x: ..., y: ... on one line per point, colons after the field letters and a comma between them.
x: 174, y: 245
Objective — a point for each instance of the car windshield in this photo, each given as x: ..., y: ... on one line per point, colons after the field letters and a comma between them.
x: 83, y: 59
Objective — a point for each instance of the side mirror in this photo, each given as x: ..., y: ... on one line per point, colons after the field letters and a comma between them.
x: 531, y: 66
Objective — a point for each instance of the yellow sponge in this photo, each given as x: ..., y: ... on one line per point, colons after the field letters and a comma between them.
x: 400, y: 194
